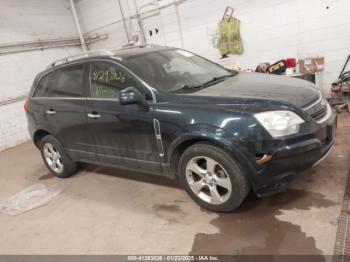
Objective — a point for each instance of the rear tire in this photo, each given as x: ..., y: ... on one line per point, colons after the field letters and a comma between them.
x: 213, y: 178
x: 55, y: 157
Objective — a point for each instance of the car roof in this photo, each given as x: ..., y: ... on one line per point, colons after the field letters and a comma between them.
x: 136, y: 51
x: 119, y: 54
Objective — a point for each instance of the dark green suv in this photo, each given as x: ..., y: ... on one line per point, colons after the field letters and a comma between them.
x: 168, y: 111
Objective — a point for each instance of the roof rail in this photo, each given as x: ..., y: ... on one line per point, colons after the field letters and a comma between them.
x: 139, y: 46
x: 82, y: 55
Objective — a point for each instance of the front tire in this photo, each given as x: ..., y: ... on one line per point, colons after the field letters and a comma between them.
x: 55, y: 157
x: 213, y: 178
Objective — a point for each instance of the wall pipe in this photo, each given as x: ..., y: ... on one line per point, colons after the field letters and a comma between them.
x: 47, y: 41
x: 178, y: 2
x: 141, y: 15
x: 179, y: 25
x: 60, y: 44
x: 36, y: 48
x: 13, y: 100
x: 139, y: 21
x: 76, y: 20
x: 123, y: 19
x: 39, y: 41
x: 104, y: 26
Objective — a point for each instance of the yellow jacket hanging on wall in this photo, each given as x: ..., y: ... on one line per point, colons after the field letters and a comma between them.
x: 230, y: 40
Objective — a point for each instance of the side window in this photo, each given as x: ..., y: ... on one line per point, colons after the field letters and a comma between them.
x: 68, y: 82
x: 108, y: 79
x: 42, y: 90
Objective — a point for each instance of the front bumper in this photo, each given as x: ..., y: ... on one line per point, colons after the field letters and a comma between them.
x: 287, y: 161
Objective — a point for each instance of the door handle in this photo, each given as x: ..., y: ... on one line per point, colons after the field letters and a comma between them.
x: 50, y: 112
x: 94, y: 115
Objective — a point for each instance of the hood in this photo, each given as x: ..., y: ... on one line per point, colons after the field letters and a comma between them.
x: 298, y: 92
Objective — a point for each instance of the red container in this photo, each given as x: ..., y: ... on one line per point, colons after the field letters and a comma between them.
x: 291, y: 62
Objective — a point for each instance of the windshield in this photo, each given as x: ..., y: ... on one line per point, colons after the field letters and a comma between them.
x: 175, y: 70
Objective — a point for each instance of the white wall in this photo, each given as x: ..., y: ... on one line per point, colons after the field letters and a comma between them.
x: 103, y: 17
x: 25, y: 21
x: 13, y: 125
x: 277, y: 29
x: 271, y: 29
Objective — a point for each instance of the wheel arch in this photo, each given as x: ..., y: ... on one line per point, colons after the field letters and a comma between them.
x: 177, y: 149
x: 38, y: 135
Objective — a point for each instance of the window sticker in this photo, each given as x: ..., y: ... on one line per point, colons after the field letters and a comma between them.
x: 107, y: 76
x: 184, y: 53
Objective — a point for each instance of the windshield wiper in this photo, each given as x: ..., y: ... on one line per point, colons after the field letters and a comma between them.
x: 216, y: 80
x: 212, y: 81
x: 190, y: 87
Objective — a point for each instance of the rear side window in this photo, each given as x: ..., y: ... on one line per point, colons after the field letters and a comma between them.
x: 68, y: 82
x: 42, y: 90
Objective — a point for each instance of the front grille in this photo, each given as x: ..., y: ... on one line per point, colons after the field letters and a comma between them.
x: 312, y: 101
x: 321, y: 113
x: 317, y: 110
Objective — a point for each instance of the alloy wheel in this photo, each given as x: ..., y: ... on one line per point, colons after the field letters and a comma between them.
x: 208, y: 180
x: 53, y: 158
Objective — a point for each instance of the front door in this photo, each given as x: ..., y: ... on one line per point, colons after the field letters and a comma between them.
x: 124, y: 134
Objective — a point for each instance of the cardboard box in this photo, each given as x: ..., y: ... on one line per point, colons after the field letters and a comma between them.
x: 311, y: 65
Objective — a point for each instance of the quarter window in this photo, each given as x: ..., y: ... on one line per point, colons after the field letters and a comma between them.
x: 68, y: 82
x: 42, y: 89
x: 107, y: 80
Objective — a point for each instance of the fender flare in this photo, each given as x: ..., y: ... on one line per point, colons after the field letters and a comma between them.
x: 47, y: 130
x: 220, y: 137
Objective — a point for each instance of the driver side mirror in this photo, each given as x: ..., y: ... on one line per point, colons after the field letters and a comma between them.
x: 131, y: 95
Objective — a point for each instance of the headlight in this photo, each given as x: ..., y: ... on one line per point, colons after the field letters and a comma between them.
x: 280, y: 123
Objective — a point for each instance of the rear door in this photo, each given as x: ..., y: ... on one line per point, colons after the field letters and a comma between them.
x: 65, y: 111
x: 124, y: 134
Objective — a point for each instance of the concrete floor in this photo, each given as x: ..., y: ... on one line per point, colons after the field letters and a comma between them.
x: 110, y: 211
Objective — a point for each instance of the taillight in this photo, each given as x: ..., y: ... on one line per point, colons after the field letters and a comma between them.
x: 26, y: 106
